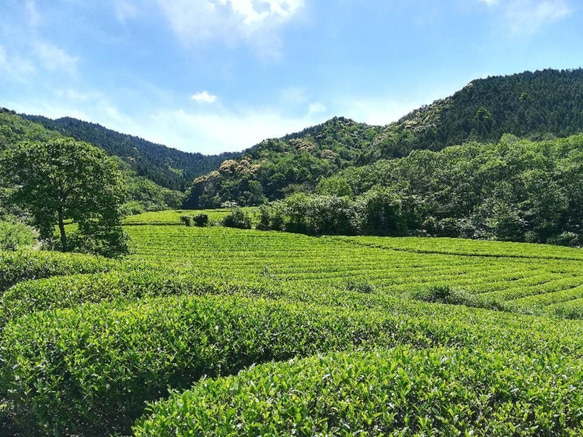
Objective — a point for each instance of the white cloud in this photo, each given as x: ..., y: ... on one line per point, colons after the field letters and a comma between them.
x: 316, y: 108
x: 254, y: 22
x: 54, y: 58
x: 293, y: 96
x: 14, y: 66
x: 125, y: 10
x: 204, y: 97
x: 226, y: 130
x: 34, y: 17
x: 528, y: 16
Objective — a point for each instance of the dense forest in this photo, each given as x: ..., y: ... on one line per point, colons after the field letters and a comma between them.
x: 143, y: 194
x: 163, y: 165
x: 279, y: 167
x: 498, y: 159
x: 533, y: 105
x: 514, y: 189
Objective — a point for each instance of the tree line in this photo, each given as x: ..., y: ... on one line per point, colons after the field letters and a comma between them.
x: 514, y: 189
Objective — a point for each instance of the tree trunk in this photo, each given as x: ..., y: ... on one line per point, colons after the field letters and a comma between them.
x: 62, y: 230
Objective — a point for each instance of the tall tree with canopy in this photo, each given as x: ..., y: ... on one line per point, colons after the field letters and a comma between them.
x: 64, y: 179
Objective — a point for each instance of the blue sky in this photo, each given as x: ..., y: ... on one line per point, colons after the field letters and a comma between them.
x: 221, y: 75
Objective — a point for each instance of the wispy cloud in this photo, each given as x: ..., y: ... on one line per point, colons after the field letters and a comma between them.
x: 253, y: 22
x: 14, y: 66
x: 125, y: 10
x: 55, y: 59
x: 224, y: 130
x: 204, y: 97
x: 528, y: 16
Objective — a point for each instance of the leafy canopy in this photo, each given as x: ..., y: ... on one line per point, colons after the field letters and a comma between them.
x: 63, y: 179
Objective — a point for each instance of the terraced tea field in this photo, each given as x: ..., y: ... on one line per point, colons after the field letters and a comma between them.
x: 216, y: 331
x: 523, y: 277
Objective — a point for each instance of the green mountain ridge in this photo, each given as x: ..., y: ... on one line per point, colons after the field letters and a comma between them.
x: 167, y: 167
x: 143, y: 193
x: 532, y: 105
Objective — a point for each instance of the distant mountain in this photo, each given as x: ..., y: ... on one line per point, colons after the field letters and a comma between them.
x: 277, y: 167
x: 538, y: 105
x: 530, y: 105
x: 165, y: 166
x: 143, y: 193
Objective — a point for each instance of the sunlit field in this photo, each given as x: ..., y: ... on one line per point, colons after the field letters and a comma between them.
x: 218, y: 331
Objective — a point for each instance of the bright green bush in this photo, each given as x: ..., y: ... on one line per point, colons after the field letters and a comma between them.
x: 104, y: 361
x: 24, y: 265
x: 72, y: 290
x: 398, y: 392
x: 15, y: 235
x: 238, y: 218
x: 89, y: 370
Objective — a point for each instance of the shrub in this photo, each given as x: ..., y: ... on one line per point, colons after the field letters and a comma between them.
x: 237, y: 219
x: 201, y: 220
x: 23, y: 265
x: 15, y: 235
x: 398, y: 392
x: 186, y: 219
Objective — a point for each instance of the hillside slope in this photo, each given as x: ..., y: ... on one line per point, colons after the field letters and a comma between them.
x: 535, y: 105
x: 142, y: 193
x: 170, y: 168
x: 539, y: 105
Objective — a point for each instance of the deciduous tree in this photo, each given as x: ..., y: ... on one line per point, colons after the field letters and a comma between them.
x: 64, y: 179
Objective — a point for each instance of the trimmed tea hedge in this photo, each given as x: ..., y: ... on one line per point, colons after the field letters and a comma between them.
x: 89, y: 370
x: 397, y: 392
x: 70, y: 291
x: 23, y: 265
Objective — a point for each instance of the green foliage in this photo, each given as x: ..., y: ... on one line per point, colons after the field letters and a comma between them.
x: 514, y: 190
x: 279, y: 167
x: 129, y: 284
x: 398, y: 392
x: 540, y: 105
x: 14, y: 128
x: 115, y: 358
x: 65, y: 179
x: 111, y: 372
x: 167, y: 167
x: 533, y: 105
x: 186, y: 219
x: 381, y: 213
x: 24, y: 265
x: 15, y: 235
x: 237, y: 219
x: 201, y: 220
x: 150, y: 196
x: 215, y: 301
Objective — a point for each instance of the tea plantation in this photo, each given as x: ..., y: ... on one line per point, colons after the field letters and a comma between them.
x: 217, y: 331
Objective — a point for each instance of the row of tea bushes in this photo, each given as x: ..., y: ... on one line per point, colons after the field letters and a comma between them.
x: 392, y: 392
x: 89, y: 370
x: 505, y: 273
x: 24, y: 265
x: 69, y: 291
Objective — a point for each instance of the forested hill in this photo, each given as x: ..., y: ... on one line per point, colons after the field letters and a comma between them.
x: 278, y: 167
x: 533, y: 105
x: 165, y: 166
